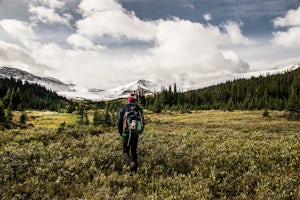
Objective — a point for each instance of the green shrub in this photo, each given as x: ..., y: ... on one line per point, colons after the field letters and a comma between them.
x: 195, y: 158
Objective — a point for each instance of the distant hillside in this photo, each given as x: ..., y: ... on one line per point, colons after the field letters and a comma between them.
x: 48, y: 82
x: 23, y: 95
x: 270, y: 92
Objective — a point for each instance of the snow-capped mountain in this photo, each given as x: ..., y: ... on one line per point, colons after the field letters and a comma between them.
x: 48, y: 82
x: 140, y: 86
x: 72, y: 91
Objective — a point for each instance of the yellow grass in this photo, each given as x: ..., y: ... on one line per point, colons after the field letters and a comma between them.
x: 201, y: 155
x: 48, y: 119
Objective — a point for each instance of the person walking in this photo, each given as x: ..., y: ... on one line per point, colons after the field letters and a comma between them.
x: 130, y: 126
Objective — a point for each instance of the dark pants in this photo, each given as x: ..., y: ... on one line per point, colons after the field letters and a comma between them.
x: 129, y: 151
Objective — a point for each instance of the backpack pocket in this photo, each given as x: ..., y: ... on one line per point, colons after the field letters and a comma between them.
x: 132, y: 125
x: 139, y: 126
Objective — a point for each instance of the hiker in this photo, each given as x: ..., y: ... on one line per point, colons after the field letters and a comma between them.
x: 130, y: 125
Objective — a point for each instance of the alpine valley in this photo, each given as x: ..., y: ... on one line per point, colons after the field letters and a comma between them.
x: 72, y: 91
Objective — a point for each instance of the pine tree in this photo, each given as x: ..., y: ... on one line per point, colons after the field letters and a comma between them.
x: 23, y: 118
x: 7, y: 97
x: 265, y: 104
x: 2, y: 113
x: 142, y: 100
x: 157, y: 108
x: 293, y: 105
x: 16, y: 99
x: 107, y: 119
x: 96, y: 118
x: 9, y: 115
x: 230, y: 105
x: 81, y: 114
x: 70, y: 108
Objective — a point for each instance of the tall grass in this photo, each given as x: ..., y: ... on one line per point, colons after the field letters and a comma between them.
x: 202, y: 155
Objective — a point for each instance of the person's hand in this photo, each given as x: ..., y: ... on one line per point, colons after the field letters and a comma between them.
x: 124, y: 134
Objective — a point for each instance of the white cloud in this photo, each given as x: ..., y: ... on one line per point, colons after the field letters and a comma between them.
x: 48, y: 11
x: 54, y: 4
x: 207, y: 17
x: 13, y: 55
x: 89, y: 7
x: 288, y: 39
x: 109, y: 18
x: 181, y: 49
x: 234, y: 34
x: 18, y: 30
x: 80, y: 41
x: 48, y: 15
x: 292, y: 18
x: 185, y: 46
x: 234, y: 61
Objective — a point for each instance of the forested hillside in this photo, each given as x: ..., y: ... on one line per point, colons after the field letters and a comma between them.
x: 274, y: 92
x: 19, y: 96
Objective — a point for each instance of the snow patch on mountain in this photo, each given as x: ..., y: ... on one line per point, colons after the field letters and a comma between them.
x: 48, y: 82
x: 146, y: 87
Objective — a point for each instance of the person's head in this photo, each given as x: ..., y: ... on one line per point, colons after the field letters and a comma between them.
x: 132, y: 98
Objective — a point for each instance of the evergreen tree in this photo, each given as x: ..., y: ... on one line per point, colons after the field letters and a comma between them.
x: 81, y: 114
x: 174, y: 99
x: 254, y: 93
x: 245, y: 104
x: 265, y: 104
x: 23, y: 118
x: 142, y: 100
x: 16, y: 98
x: 96, y: 118
x: 230, y: 105
x: 2, y: 113
x: 157, y: 108
x: 70, y: 108
x: 107, y: 119
x: 9, y: 115
x: 293, y: 105
x: 7, y: 97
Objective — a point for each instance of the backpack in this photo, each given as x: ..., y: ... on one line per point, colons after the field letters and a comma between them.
x: 133, y: 120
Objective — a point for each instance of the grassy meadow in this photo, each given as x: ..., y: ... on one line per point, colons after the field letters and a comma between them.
x: 199, y: 155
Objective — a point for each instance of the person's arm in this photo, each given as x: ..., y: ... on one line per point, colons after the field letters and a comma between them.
x: 120, y: 120
x: 143, y: 120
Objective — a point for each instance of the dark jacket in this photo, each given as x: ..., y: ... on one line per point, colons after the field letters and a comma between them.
x: 122, y: 112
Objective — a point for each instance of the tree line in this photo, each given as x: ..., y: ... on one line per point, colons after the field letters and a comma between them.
x: 274, y: 92
x: 16, y: 95
x: 20, y: 96
x: 270, y: 92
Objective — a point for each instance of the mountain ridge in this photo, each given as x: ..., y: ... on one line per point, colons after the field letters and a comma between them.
x: 142, y: 86
x: 49, y: 83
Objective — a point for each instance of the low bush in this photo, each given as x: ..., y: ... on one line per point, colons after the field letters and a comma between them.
x: 200, y: 159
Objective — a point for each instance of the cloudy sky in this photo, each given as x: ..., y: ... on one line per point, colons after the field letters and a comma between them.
x: 105, y: 43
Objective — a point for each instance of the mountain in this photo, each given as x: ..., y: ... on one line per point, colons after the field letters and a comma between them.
x: 151, y: 86
x: 48, y: 82
x: 216, y: 79
x: 72, y: 91
x: 143, y: 86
